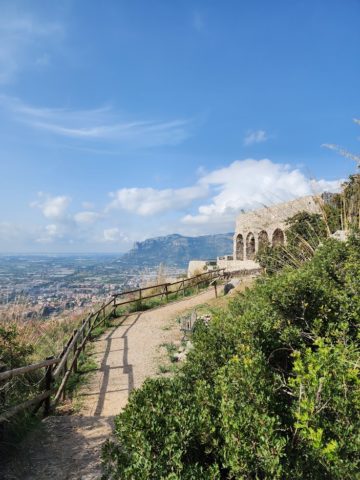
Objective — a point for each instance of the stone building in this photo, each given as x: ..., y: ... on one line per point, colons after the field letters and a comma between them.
x: 260, y: 227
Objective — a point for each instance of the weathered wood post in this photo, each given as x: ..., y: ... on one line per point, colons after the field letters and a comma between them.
x: 91, y: 319
x: 166, y: 293
x: 183, y: 290
x: 215, y: 286
x: 3, y: 368
x: 140, y: 298
x: 48, y: 382
x: 75, y: 349
x: 64, y: 373
x: 83, y: 334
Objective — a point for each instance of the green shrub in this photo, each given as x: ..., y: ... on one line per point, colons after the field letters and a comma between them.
x: 269, y: 391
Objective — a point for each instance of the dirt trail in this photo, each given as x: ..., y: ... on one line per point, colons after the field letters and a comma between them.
x: 68, y: 447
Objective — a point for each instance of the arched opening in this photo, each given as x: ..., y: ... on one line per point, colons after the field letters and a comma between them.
x: 239, y: 247
x: 263, y: 240
x: 278, y: 238
x: 250, y: 246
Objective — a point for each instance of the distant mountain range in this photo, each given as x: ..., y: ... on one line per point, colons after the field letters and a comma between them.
x: 177, y: 250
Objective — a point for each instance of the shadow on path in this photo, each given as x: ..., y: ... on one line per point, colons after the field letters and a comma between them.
x: 61, y: 448
x: 105, y: 368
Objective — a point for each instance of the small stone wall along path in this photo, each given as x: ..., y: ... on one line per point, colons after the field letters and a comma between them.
x: 67, y: 447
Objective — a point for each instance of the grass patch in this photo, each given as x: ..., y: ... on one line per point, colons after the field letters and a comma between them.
x: 171, y: 350
x: 169, y: 368
x: 86, y: 367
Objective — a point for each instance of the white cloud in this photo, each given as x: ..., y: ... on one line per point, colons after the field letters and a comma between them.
x: 101, y: 124
x: 11, y: 233
x: 320, y: 186
x: 149, y: 201
x: 242, y: 185
x: 66, y: 226
x: 249, y: 184
x: 52, y: 207
x: 256, y: 136
x: 86, y: 217
x: 51, y: 233
x: 214, y: 201
x: 114, y: 235
x: 22, y: 35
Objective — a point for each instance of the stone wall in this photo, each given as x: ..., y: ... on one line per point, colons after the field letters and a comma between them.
x: 201, y: 266
x: 236, y: 265
x: 267, y: 225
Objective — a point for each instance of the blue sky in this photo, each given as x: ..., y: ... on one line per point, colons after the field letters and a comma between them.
x: 130, y: 119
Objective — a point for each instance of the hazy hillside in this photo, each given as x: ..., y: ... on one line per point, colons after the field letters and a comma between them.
x: 178, y: 250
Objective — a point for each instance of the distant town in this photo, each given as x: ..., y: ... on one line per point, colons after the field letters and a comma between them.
x: 41, y: 286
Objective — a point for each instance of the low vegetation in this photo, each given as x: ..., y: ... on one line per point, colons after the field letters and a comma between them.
x: 24, y: 343
x: 271, y: 389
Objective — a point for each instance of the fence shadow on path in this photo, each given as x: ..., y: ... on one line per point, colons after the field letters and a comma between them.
x: 126, y: 367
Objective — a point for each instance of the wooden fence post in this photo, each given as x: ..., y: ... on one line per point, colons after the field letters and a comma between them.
x: 183, y: 288
x: 48, y: 382
x: 64, y: 373
x: 83, y: 334
x: 2, y: 396
x: 75, y: 348
x: 215, y: 285
x: 90, y: 329
x: 166, y: 293
x: 140, y: 297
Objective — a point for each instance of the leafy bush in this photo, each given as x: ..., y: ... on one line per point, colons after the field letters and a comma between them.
x: 270, y: 390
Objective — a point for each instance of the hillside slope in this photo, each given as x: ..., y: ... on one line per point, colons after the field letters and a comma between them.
x: 178, y: 250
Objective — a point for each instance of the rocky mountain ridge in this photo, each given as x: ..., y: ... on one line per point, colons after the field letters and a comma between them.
x: 178, y: 250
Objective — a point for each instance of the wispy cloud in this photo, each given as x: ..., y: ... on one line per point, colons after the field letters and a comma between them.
x: 198, y: 21
x: 22, y: 37
x: 64, y: 225
x: 53, y: 208
x: 255, y: 136
x: 101, y: 124
x: 150, y: 201
x: 113, y: 235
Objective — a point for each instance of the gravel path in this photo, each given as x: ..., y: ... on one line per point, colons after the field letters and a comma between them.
x: 68, y: 447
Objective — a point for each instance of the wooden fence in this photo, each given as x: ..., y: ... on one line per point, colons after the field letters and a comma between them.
x: 57, y: 370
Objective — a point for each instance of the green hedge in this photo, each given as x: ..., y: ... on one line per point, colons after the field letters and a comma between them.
x: 270, y: 391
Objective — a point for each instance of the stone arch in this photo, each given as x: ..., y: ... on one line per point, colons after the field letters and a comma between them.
x: 239, y: 247
x: 263, y: 239
x: 278, y: 237
x: 250, y: 246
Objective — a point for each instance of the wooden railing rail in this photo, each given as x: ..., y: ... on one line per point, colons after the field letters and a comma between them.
x: 8, y: 374
x: 59, y: 369
x: 165, y: 288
